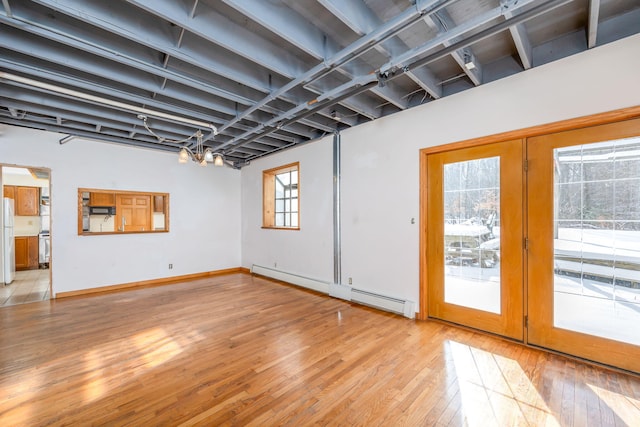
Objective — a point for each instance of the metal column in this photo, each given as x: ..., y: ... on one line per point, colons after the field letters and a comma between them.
x: 337, y: 250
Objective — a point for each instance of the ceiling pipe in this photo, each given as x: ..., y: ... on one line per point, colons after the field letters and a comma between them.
x: 104, y: 101
x: 325, y: 104
x: 66, y: 139
x: 282, y: 119
x: 391, y: 27
x: 91, y: 135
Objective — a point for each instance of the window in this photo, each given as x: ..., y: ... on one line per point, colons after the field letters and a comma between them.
x: 281, y: 197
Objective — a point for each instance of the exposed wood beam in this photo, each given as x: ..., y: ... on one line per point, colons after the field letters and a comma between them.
x: 287, y: 24
x: 141, y: 29
x: 442, y: 22
x: 7, y: 8
x: 219, y: 30
x: 192, y: 13
x: 592, y: 24
x: 305, y: 36
x: 361, y: 19
x: 523, y: 45
x: 521, y: 40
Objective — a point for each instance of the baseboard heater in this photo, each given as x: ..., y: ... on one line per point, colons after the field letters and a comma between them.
x: 294, y: 279
x: 383, y: 302
x: 336, y: 290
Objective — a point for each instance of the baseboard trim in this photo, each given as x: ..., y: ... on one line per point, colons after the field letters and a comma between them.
x: 152, y: 282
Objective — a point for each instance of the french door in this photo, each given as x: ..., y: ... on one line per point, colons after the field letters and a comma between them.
x: 546, y: 229
x: 474, y: 237
x: 584, y: 243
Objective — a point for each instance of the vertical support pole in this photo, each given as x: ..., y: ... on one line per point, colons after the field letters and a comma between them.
x: 337, y: 244
x: 2, y: 244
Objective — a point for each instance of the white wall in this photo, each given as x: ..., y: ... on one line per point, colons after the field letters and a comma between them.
x: 204, y: 210
x: 380, y: 166
x: 308, y: 251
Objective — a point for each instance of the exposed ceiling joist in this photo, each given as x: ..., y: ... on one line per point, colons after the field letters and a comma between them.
x: 592, y: 25
x: 271, y: 75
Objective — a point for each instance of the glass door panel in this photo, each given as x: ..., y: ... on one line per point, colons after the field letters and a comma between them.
x: 471, y: 235
x: 474, y: 254
x: 597, y: 239
x: 584, y: 252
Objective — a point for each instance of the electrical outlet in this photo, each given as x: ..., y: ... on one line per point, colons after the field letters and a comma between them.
x: 350, y: 281
x: 170, y: 266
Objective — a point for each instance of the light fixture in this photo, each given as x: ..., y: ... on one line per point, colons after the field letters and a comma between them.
x: 198, y: 154
x: 336, y: 116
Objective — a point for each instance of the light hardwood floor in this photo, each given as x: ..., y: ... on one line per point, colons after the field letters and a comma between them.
x: 242, y: 350
x: 28, y: 286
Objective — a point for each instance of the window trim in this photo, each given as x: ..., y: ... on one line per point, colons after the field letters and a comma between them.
x: 268, y: 195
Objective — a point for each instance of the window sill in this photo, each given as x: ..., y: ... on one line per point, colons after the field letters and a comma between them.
x: 280, y: 228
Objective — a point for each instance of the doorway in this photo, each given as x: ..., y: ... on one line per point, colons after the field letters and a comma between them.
x: 474, y: 209
x: 26, y: 249
x: 538, y: 240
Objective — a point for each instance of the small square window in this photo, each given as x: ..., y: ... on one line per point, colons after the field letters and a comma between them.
x: 280, y: 197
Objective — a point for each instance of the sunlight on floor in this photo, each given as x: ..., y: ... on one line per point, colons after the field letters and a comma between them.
x: 153, y: 347
x: 20, y: 414
x: 491, y: 387
x: 102, y: 369
x: 156, y: 347
x: 96, y: 387
x: 625, y: 407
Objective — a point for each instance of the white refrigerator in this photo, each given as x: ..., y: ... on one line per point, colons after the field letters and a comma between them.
x: 9, y: 251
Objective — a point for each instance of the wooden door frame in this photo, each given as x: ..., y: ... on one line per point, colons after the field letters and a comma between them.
x: 542, y: 332
x: 569, y: 124
x: 509, y: 321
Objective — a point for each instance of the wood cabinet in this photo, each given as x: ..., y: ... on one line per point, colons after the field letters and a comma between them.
x: 9, y: 191
x: 102, y: 199
x: 133, y: 212
x: 26, y: 252
x: 158, y: 203
x: 27, y: 199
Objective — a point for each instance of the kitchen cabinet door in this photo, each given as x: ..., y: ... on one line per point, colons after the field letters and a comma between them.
x: 158, y: 203
x: 27, y: 201
x: 26, y: 248
x: 9, y: 191
x: 33, y: 249
x: 102, y: 199
x: 22, y: 253
x: 133, y: 212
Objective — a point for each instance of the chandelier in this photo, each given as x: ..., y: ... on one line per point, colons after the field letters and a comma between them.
x: 199, y: 154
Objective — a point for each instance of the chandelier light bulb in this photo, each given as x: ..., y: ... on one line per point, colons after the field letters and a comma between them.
x: 208, y: 155
x: 183, y: 157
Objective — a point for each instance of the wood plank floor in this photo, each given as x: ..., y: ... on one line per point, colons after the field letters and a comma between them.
x: 242, y: 350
